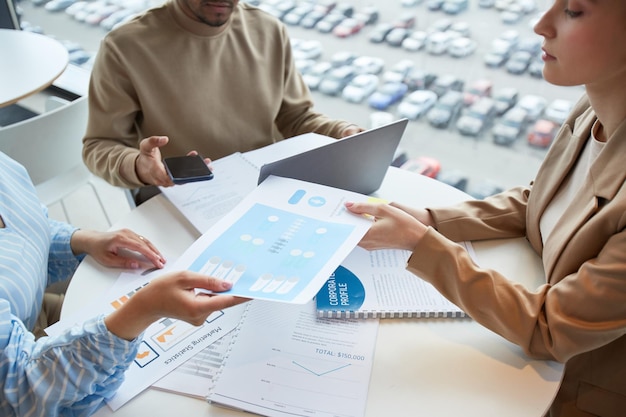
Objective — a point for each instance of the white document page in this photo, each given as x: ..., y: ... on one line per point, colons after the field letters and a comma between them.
x: 166, y: 344
x: 285, y: 361
x: 196, y: 377
x: 281, y: 242
x: 203, y: 203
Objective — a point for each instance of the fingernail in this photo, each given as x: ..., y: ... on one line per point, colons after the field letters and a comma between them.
x: 349, y: 204
x: 227, y: 285
x: 134, y: 265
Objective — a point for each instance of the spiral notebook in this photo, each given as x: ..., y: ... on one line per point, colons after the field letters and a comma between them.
x: 376, y: 284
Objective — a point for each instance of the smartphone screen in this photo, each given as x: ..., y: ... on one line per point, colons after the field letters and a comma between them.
x: 183, y: 169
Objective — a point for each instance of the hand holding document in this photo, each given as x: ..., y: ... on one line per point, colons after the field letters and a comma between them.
x: 281, y: 242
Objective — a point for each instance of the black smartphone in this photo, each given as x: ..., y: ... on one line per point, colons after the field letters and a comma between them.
x: 184, y: 169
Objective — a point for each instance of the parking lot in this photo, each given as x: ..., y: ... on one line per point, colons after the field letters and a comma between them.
x: 479, y: 157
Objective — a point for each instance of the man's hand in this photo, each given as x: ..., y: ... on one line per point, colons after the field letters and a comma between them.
x: 351, y: 130
x: 149, y: 165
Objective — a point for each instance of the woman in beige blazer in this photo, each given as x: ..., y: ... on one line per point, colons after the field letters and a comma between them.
x: 573, y: 214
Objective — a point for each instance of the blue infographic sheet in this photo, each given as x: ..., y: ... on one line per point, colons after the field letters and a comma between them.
x: 281, y: 242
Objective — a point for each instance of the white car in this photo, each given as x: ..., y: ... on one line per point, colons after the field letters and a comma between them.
x: 360, y: 87
x: 416, y: 104
x: 558, y: 110
x: 461, y: 47
x: 313, y: 77
x: 398, y: 71
x: 368, y: 64
x: 415, y: 41
x: 533, y: 104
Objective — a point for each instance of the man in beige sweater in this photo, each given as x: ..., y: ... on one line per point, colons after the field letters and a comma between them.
x: 212, y: 77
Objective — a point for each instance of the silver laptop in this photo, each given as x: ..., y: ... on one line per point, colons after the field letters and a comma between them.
x: 356, y: 163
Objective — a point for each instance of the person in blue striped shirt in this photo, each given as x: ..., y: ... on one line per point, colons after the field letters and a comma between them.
x: 73, y: 373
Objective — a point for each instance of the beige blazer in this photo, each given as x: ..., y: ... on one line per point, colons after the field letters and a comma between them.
x: 579, y: 316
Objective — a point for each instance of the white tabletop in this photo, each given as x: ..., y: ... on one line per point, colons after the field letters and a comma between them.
x: 29, y: 63
x: 430, y: 367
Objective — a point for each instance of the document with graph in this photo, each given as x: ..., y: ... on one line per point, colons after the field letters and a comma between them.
x: 285, y: 361
x: 166, y: 344
x: 281, y: 242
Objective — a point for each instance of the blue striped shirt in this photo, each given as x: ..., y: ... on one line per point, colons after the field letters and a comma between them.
x: 68, y: 375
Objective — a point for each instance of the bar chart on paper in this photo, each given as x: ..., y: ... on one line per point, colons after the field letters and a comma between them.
x: 288, y: 362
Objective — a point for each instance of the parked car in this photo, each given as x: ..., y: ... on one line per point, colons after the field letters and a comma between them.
x: 406, y: 20
x: 329, y: 22
x: 342, y: 58
x: 415, y: 41
x: 510, y: 126
x: 558, y: 110
x: 419, y: 79
x: 368, y: 64
x: 379, y: 32
x: 477, y: 117
x: 434, y: 5
x: 397, y: 36
x: 416, y: 104
x: 447, y: 82
x: 423, y: 165
x: 499, y: 53
x: 360, y: 87
x: 533, y: 104
x: 336, y: 80
x: 456, y: 178
x: 437, y: 42
x: 505, y: 98
x: 399, y: 71
x: 387, y: 94
x: 295, y: 15
x: 446, y: 109
x: 461, y: 47
x: 477, y: 89
x: 454, y: 6
x: 58, y: 5
x: 313, y: 77
x: 542, y: 133
x: 368, y: 15
x: 348, y: 27
x: 461, y: 27
x: 312, y: 19
x: 307, y: 49
x: 518, y: 62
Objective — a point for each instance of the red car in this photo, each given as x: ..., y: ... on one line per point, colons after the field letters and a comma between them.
x: 348, y: 28
x: 542, y: 133
x: 423, y: 165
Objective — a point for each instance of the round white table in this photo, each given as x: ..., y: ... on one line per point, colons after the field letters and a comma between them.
x: 29, y: 63
x: 422, y: 367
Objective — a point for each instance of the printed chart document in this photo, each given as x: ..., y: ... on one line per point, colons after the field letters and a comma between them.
x: 377, y: 284
x: 285, y: 361
x: 166, y: 344
x: 281, y: 242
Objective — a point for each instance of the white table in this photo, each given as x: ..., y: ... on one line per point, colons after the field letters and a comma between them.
x: 29, y: 63
x: 427, y: 367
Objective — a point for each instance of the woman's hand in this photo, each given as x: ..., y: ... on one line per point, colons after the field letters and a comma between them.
x: 393, y: 227
x: 171, y: 295
x: 122, y: 248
